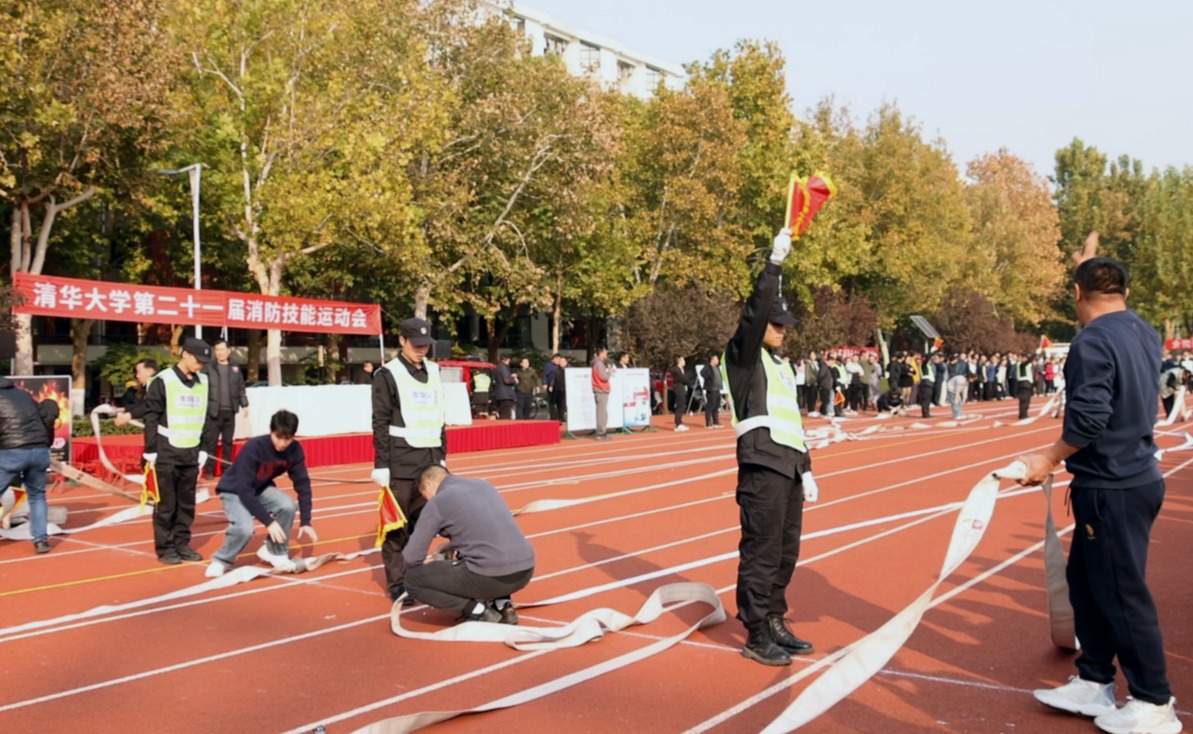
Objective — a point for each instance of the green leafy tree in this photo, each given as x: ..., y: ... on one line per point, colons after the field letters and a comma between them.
x: 509, y: 199
x: 1014, y: 259
x: 680, y: 178
x: 1095, y: 194
x: 1163, y: 263
x: 305, y: 112
x: 914, y: 205
x: 753, y: 76
x: 84, y: 87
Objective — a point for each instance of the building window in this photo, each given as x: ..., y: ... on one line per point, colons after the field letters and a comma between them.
x: 625, y: 70
x: 554, y: 45
x: 590, y: 58
x: 653, y: 76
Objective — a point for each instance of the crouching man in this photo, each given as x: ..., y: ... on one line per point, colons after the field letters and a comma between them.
x: 247, y: 493
x: 490, y: 559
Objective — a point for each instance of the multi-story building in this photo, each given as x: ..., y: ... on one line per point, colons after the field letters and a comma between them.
x: 588, y: 54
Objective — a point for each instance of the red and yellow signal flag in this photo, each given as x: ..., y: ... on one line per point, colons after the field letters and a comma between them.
x: 805, y: 197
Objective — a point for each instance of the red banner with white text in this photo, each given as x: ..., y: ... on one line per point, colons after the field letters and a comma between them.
x: 46, y: 295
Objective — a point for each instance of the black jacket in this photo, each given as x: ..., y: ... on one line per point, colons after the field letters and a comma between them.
x: 679, y: 380
x: 156, y: 414
x: 391, y: 452
x: 826, y: 376
x: 712, y: 378
x: 503, y: 383
x: 24, y: 422
x: 235, y: 388
x: 747, y: 381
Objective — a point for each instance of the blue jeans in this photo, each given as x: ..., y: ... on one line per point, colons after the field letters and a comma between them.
x: 240, y: 523
x: 28, y: 467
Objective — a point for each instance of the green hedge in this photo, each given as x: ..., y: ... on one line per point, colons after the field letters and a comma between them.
x: 82, y: 428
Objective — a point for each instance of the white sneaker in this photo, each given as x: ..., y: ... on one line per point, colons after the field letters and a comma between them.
x: 279, y: 562
x: 1141, y: 717
x: 1079, y: 696
x: 681, y: 428
x: 215, y: 569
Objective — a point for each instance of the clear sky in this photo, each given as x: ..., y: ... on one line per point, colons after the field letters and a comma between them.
x: 1028, y: 76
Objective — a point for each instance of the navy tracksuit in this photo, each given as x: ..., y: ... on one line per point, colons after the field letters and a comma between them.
x: 1117, y: 490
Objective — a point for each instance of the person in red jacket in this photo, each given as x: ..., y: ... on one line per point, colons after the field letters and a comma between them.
x: 602, y: 372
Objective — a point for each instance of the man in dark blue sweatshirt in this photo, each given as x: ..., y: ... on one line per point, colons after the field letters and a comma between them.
x: 247, y: 493
x: 1116, y: 493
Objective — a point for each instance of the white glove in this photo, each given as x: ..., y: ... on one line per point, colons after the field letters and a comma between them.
x: 380, y: 477
x: 203, y: 458
x: 782, y: 246
x: 150, y: 459
x: 811, y: 491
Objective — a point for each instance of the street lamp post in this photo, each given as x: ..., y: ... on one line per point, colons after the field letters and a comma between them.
x: 193, y: 172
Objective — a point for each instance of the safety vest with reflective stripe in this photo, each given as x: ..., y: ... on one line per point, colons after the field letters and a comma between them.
x: 928, y: 372
x: 481, y: 382
x: 422, y: 406
x: 186, y: 410
x: 782, y: 408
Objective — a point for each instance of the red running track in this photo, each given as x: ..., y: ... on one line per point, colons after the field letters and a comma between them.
x: 284, y: 654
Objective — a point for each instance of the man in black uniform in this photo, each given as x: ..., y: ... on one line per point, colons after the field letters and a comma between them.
x: 826, y: 378
x: 225, y: 398
x: 679, y: 389
x: 175, y: 407
x: 1024, y: 385
x: 712, y: 392
x: 408, y: 432
x: 774, y: 470
x: 927, y: 386
x: 558, y: 388
x: 1116, y: 494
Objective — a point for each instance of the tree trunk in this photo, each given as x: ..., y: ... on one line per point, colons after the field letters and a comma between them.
x: 273, y: 357
x: 331, y: 360
x: 253, y: 366
x: 556, y: 317
x: 422, y: 297
x: 23, y: 364
x: 273, y: 337
x: 1169, y: 329
x: 30, y: 257
x: 883, y: 347
x: 342, y: 358
x: 80, y: 331
x: 491, y: 340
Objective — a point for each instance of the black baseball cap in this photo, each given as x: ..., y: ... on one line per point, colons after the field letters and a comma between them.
x: 416, y: 331
x: 198, y: 349
x: 779, y: 314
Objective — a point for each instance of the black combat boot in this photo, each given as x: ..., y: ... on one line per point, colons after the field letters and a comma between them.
x: 761, y: 648
x: 777, y: 628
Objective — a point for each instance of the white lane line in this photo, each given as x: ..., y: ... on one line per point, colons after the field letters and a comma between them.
x: 785, y: 685
x: 587, y: 592
x: 366, y: 507
x: 254, y: 648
